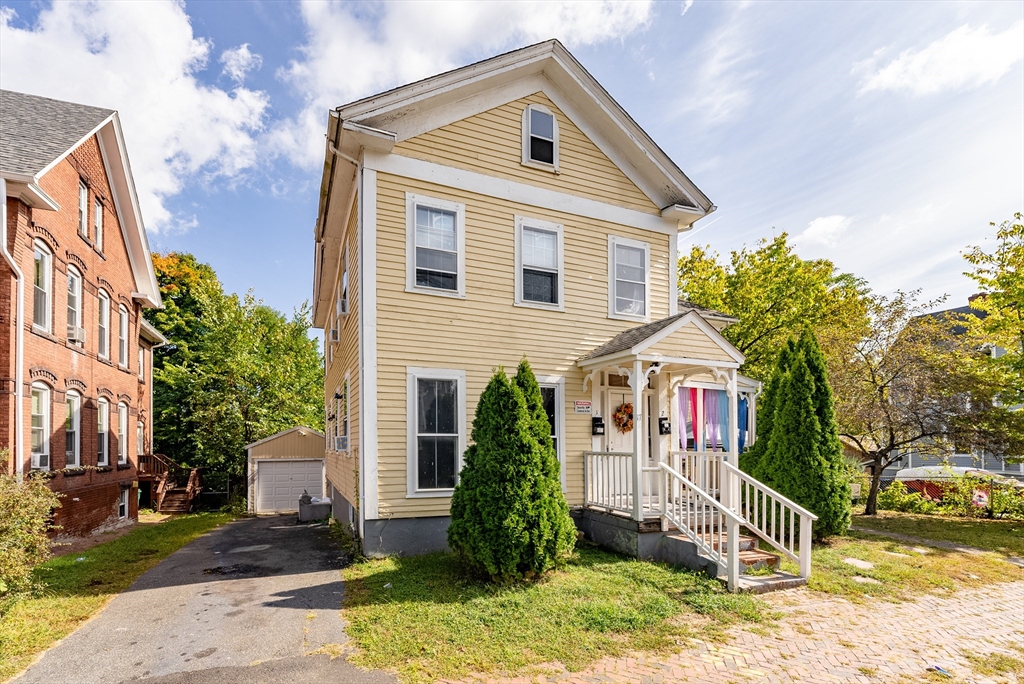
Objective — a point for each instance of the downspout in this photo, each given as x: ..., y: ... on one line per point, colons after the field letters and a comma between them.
x: 19, y: 341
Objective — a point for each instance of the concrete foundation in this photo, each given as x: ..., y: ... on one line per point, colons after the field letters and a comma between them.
x: 405, y: 536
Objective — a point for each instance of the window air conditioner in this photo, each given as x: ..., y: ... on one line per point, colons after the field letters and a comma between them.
x: 335, y: 335
x: 76, y: 334
x: 341, y: 443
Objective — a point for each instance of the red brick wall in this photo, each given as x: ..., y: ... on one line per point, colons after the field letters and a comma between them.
x: 91, y: 497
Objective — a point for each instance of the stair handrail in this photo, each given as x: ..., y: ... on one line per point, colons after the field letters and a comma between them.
x: 677, y: 490
x: 752, y: 498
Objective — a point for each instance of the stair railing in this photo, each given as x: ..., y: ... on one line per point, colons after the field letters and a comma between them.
x: 771, y: 516
x: 705, y: 521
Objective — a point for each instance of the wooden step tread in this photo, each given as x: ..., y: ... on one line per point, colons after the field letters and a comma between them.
x: 755, y: 556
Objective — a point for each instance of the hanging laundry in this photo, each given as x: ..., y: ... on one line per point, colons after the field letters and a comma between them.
x: 723, y: 418
x: 711, y: 419
x: 742, y: 420
x: 684, y: 413
x: 693, y: 417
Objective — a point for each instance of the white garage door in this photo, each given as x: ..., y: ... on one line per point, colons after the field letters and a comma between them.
x: 280, y: 483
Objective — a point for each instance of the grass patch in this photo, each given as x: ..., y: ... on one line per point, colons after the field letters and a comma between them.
x: 75, y: 589
x: 434, y: 621
x: 898, y: 573
x: 995, y: 664
x: 1003, y: 536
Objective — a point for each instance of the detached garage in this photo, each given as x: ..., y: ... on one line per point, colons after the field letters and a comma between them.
x: 283, y: 466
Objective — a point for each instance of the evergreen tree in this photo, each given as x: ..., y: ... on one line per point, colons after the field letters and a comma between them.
x: 750, y: 459
x: 504, y: 513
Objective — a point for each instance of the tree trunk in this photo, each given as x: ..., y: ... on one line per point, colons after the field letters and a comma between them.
x: 871, y: 506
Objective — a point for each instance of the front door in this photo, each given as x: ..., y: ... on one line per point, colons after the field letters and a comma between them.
x: 615, y: 440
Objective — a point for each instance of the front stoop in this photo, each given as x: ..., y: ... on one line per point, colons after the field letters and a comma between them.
x: 645, y: 540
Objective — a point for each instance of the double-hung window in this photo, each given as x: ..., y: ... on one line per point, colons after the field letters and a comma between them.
x: 72, y: 430
x: 629, y: 277
x: 140, y: 438
x: 436, y: 246
x: 122, y: 503
x: 540, y: 137
x: 41, y: 278
x: 551, y: 393
x: 122, y: 433
x: 142, y: 363
x: 436, y: 427
x: 74, y: 305
x: 40, y: 426
x: 103, y: 341
x: 83, y: 209
x: 97, y: 225
x: 539, y: 264
x: 341, y: 306
x: 122, y: 336
x: 102, y: 432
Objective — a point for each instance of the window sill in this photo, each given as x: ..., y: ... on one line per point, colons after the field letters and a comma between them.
x: 86, y: 240
x: 541, y: 166
x: 439, y: 293
x: 626, y: 317
x: 430, y: 494
x: 541, y: 306
x: 73, y: 346
x: 104, y: 361
x: 42, y: 332
x: 124, y: 466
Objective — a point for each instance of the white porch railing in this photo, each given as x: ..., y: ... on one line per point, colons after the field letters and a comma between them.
x: 706, y: 522
x: 771, y: 516
x: 608, y: 480
x: 699, y: 467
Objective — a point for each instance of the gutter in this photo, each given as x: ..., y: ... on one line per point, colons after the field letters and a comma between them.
x: 19, y: 341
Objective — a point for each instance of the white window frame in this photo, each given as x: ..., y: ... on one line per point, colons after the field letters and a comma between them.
x: 75, y: 290
x: 556, y: 228
x: 83, y: 209
x: 73, y: 400
x: 411, y: 416
x: 526, y: 160
x: 614, y: 240
x: 122, y: 500
x: 47, y: 409
x: 103, y: 327
x: 411, y: 202
x: 558, y: 383
x: 97, y: 225
x: 102, y: 432
x: 341, y: 303
x: 344, y: 416
x: 122, y: 335
x: 122, y: 433
x: 140, y: 438
x: 42, y: 250
x: 142, y: 363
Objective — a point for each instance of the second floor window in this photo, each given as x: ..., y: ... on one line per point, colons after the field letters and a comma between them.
x: 83, y: 209
x: 103, y: 341
x: 538, y: 263
x: 41, y: 287
x: 436, y: 246
x: 102, y: 432
x: 97, y: 225
x: 341, y: 306
x: 74, y: 305
x: 142, y: 363
x: 122, y: 336
x: 628, y: 278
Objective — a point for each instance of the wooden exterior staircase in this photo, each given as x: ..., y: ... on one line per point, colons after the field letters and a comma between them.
x: 173, y: 487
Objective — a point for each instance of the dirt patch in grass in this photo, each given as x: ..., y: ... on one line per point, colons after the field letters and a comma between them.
x: 898, y: 572
x: 427, y: 619
x: 1003, y: 536
x: 67, y: 547
x: 77, y: 585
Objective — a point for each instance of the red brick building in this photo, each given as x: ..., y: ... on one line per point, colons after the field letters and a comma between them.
x: 75, y: 276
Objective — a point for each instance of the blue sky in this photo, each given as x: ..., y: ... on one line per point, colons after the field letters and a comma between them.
x: 883, y: 136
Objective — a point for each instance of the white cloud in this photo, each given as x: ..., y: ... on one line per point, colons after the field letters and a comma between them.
x: 141, y: 59
x: 687, y: 4
x: 965, y: 58
x: 240, y: 61
x: 824, y: 230
x: 352, y: 52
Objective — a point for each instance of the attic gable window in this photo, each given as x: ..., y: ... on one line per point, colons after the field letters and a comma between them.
x: 540, y: 137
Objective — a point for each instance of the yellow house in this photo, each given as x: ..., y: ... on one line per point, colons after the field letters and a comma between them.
x: 512, y: 207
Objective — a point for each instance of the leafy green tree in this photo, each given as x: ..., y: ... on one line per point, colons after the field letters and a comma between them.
x: 775, y: 295
x: 505, y: 517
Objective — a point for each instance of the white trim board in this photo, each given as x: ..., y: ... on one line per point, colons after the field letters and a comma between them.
x: 513, y: 191
x: 368, y: 492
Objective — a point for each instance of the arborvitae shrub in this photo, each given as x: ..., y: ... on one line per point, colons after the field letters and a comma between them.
x: 750, y: 460
x: 508, y: 516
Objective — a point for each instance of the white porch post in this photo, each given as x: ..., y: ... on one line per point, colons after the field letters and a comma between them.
x: 637, y: 381
x: 730, y: 488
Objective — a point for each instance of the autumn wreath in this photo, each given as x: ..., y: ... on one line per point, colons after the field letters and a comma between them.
x: 623, y: 418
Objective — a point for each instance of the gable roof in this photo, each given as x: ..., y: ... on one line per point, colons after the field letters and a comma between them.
x: 685, y: 306
x: 39, y: 132
x: 639, y: 338
x: 282, y: 433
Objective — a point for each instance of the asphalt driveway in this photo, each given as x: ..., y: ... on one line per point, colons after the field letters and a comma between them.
x: 245, y: 603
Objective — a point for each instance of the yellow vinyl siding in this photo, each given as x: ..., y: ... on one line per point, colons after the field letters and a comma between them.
x: 291, y: 445
x: 343, y: 468
x: 486, y: 329
x: 689, y: 342
x: 491, y: 143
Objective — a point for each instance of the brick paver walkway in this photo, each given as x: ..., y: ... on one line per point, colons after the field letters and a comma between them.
x: 826, y: 639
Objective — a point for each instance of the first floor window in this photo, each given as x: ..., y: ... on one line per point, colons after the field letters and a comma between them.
x: 438, y: 401
x: 122, y: 503
x: 551, y: 399
x: 629, y: 277
x: 341, y: 416
x: 140, y: 438
x: 72, y: 431
x: 122, y: 432
x: 40, y: 426
x: 102, y: 432
x: 41, y: 287
x: 436, y: 243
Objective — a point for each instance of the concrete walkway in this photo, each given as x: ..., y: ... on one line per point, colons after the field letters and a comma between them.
x: 825, y: 639
x: 248, y: 602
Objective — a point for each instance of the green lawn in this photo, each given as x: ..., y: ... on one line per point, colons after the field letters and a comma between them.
x: 433, y: 622
x: 75, y: 589
x: 1004, y: 536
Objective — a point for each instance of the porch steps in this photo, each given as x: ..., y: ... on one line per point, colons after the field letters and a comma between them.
x: 176, y: 501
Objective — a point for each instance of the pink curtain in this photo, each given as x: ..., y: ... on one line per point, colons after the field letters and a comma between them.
x: 711, y: 417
